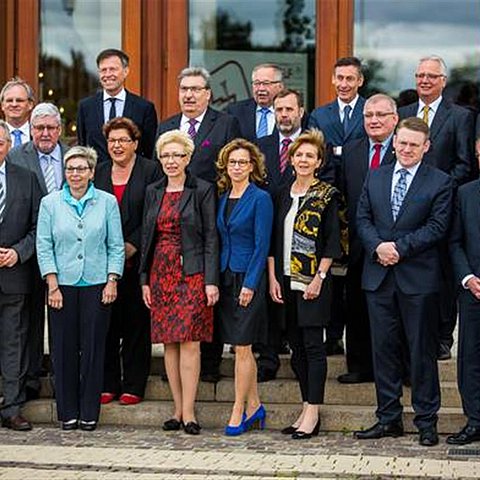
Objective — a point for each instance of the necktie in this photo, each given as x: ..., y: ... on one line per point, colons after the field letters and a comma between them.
x: 49, y: 174
x: 375, y: 163
x: 284, y: 154
x: 17, y: 138
x: 113, y: 110
x: 399, y: 192
x: 262, y: 130
x: 426, y: 110
x: 346, y: 118
x: 191, y: 129
x: 3, y: 198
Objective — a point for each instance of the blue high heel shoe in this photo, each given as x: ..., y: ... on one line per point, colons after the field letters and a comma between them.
x: 259, y: 416
x: 234, y: 431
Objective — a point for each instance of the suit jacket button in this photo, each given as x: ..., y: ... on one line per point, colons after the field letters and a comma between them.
x: 80, y: 225
x: 80, y: 257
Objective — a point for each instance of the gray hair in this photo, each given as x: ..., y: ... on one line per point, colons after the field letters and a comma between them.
x: 435, y: 58
x: 87, y: 153
x: 6, y: 131
x: 273, y: 66
x: 378, y: 97
x: 18, y: 82
x: 195, y: 72
x: 46, y: 110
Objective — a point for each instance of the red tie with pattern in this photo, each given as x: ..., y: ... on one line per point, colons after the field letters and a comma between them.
x: 284, y: 154
x: 376, y: 156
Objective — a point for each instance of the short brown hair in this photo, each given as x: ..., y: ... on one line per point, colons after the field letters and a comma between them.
x: 113, y: 52
x: 415, y: 124
x: 349, y: 62
x: 257, y: 158
x: 313, y: 137
x: 124, y: 123
x: 290, y: 91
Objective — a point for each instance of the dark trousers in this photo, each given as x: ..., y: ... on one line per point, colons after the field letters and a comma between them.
x: 79, y: 330
x: 395, y: 316
x: 309, y: 361
x: 448, y: 300
x: 338, y: 316
x: 128, y: 347
x: 469, y: 356
x: 268, y: 360
x: 211, y: 352
x: 357, y: 329
x: 14, y: 319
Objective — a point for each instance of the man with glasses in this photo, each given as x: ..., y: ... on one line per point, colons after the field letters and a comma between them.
x: 256, y: 115
x: 19, y: 200
x: 115, y: 101
x: 43, y: 156
x: 209, y: 129
x: 358, y: 158
x: 17, y: 100
x: 451, y: 150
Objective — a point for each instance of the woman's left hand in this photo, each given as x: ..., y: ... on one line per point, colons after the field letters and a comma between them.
x: 313, y: 288
x: 109, y: 293
x: 245, y: 297
x: 212, y: 295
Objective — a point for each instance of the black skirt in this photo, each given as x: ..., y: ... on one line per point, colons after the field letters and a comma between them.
x: 241, y: 325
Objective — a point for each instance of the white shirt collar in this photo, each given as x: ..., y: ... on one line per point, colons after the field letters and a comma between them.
x: 270, y: 108
x: 2, y: 168
x: 342, y: 104
x: 25, y: 129
x: 55, y: 154
x: 433, y: 106
x: 411, y: 170
x: 184, y: 120
x: 121, y: 95
x: 292, y: 137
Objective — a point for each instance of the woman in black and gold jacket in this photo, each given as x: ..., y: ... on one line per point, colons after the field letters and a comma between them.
x: 305, y: 240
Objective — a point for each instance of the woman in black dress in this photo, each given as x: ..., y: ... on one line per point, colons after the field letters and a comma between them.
x: 244, y: 223
x: 179, y: 271
x: 306, y: 238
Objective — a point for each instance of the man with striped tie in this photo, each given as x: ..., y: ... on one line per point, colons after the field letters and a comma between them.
x: 19, y: 200
x: 43, y: 156
x: 17, y: 100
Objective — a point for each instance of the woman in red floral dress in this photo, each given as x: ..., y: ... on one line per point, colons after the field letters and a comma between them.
x: 179, y: 271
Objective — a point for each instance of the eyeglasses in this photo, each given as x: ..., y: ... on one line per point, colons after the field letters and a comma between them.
x: 49, y: 128
x: 240, y: 163
x: 428, y: 76
x: 380, y: 115
x: 120, y: 141
x: 194, y: 90
x: 174, y: 156
x: 264, y: 83
x: 76, y: 169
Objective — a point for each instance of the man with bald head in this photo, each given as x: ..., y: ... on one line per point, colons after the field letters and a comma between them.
x: 358, y: 158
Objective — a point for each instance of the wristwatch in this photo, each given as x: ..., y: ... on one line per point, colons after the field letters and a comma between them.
x: 112, y: 278
x: 321, y: 274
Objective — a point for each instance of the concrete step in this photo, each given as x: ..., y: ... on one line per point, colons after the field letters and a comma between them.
x: 214, y: 415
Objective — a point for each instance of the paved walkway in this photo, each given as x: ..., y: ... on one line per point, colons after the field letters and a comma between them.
x: 149, y: 453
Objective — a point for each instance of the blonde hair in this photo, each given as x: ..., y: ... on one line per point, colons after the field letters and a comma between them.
x: 312, y: 137
x: 175, y: 136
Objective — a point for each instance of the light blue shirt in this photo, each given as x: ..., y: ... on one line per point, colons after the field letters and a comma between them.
x: 408, y: 179
x: 270, y: 119
x: 383, y: 150
x: 3, y: 177
x: 56, y: 156
x: 119, y: 104
x: 81, y: 248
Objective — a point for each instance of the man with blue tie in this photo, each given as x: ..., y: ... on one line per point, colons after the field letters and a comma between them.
x: 256, y: 115
x: 17, y: 100
x: 43, y: 156
x: 403, y: 216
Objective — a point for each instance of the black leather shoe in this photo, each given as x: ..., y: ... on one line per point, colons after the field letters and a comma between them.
x: 299, y: 435
x: 172, y: 425
x: 428, y: 437
x: 379, y: 431
x: 265, y: 375
x: 210, y: 377
x: 444, y: 352
x: 192, y: 428
x: 288, y: 430
x: 17, y: 423
x: 334, y: 348
x: 465, y: 436
x: 70, y: 425
x: 87, y: 426
x: 354, y: 377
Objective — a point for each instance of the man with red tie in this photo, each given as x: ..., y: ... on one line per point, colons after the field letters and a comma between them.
x: 359, y: 156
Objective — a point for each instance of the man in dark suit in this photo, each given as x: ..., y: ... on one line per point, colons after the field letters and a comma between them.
x: 358, y: 157
x: 451, y: 150
x: 465, y: 252
x: 17, y: 100
x: 402, y: 217
x: 256, y: 115
x: 43, y: 156
x: 115, y: 101
x: 340, y: 121
x: 19, y: 200
x: 210, y: 130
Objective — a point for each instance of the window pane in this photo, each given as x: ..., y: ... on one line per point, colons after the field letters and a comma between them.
x: 72, y: 34
x: 391, y: 36
x: 229, y: 37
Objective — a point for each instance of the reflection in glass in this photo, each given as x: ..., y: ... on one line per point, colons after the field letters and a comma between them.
x: 392, y: 36
x: 229, y: 37
x: 73, y: 32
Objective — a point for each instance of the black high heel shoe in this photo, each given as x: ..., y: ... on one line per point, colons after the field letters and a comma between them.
x: 299, y: 435
x: 288, y: 430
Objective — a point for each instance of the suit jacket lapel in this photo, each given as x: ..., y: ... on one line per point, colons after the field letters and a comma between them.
x: 34, y: 160
x: 439, y: 119
x: 355, y: 119
x: 389, y: 154
x: 99, y: 105
x: 12, y: 186
x: 334, y: 114
x: 207, y: 124
x: 386, y: 186
x: 417, y: 181
x: 243, y: 201
x: 128, y: 108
